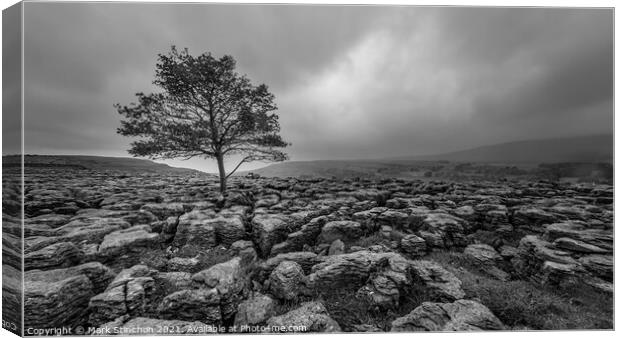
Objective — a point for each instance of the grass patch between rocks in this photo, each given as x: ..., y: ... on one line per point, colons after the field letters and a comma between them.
x: 522, y: 305
x: 350, y: 310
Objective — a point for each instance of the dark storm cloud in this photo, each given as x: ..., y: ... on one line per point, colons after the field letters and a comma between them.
x: 11, y: 80
x: 466, y: 77
x: 351, y: 82
x: 277, y: 44
x: 82, y: 58
x: 570, y: 50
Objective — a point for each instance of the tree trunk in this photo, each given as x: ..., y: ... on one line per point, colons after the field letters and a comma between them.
x: 220, y: 166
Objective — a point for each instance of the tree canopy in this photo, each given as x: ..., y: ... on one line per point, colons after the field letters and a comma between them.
x: 205, y: 109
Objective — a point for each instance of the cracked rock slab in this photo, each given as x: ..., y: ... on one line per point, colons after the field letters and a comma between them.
x: 55, y: 298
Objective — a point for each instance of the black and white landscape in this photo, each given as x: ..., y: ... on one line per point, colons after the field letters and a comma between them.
x: 435, y: 169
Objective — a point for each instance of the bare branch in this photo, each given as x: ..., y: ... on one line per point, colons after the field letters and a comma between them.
x: 237, y: 167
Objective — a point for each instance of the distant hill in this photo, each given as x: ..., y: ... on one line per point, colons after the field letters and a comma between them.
x: 530, y: 153
x: 128, y: 164
x: 328, y: 168
x: 589, y: 149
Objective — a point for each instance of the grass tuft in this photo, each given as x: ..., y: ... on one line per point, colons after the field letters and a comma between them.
x: 373, y: 239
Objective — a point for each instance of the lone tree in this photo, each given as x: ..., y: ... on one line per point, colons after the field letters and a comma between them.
x: 205, y: 109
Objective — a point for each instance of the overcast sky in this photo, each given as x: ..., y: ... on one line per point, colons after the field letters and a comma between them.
x: 350, y: 82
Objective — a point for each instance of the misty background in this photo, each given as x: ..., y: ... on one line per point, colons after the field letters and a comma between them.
x: 351, y: 82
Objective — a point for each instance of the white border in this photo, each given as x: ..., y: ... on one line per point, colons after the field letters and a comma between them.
x: 521, y: 3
